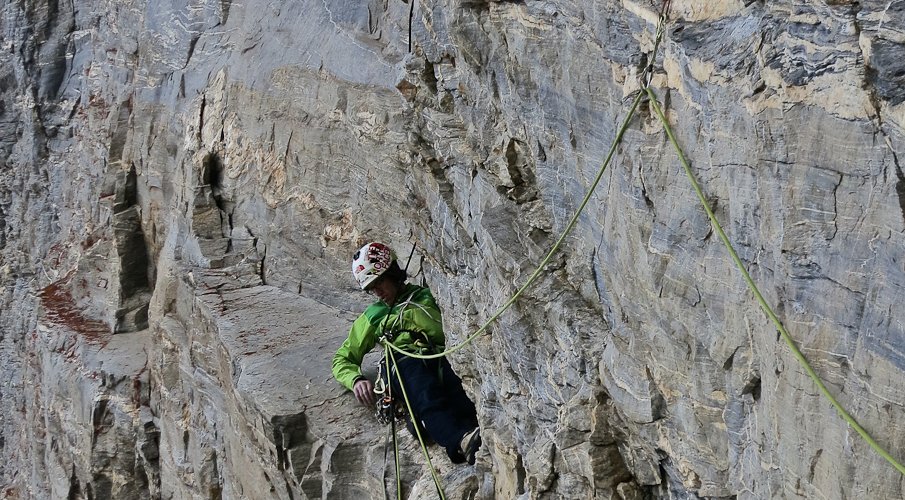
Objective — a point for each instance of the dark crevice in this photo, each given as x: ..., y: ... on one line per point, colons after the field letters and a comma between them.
x: 814, y: 465
x: 753, y: 388
x: 103, y: 486
x: 729, y: 362
x: 2, y: 227
x: 133, y: 253
x: 192, y: 43
x: 429, y: 77
x: 212, y: 176
x: 647, y: 200
x: 289, y: 490
x: 261, y: 270
x: 75, y: 489
x: 201, y: 115
x: 832, y: 234
x: 228, y: 230
x: 523, y: 185
x: 215, y: 491
x: 135, y: 265
x: 224, y: 10
x: 520, y: 475
x: 126, y: 192
x: 658, y: 406
x: 213, y: 218
x: 900, y: 184
x: 289, y: 431
x: 101, y: 419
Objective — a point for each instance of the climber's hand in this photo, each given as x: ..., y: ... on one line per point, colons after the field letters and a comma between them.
x: 364, y: 392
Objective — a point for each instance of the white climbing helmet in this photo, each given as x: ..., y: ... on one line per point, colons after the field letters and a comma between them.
x: 370, y: 262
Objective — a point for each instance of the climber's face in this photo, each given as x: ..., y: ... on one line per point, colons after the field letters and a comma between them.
x: 385, y: 290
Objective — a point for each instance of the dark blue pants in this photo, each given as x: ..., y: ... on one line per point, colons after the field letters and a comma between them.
x: 438, y: 401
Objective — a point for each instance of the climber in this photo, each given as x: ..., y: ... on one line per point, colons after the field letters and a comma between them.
x: 407, y: 315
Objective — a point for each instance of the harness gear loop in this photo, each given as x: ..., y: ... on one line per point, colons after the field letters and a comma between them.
x: 389, y: 411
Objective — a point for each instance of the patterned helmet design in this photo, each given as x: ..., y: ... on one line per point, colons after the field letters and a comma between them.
x: 370, y: 262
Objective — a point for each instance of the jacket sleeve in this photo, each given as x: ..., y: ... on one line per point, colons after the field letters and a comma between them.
x: 348, y: 358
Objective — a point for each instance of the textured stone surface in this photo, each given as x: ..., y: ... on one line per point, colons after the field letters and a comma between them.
x: 194, y: 175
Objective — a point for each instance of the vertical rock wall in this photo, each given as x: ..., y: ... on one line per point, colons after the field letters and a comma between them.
x: 183, y: 183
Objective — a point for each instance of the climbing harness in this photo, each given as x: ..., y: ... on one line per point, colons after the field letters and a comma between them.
x: 388, y: 411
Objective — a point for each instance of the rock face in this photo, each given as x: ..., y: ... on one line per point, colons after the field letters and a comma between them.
x: 183, y: 184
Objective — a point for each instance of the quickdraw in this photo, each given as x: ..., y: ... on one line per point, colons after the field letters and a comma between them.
x: 387, y: 410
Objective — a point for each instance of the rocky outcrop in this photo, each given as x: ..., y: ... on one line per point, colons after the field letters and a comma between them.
x: 183, y: 184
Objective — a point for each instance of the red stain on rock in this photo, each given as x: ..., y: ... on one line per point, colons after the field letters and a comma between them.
x: 61, y: 310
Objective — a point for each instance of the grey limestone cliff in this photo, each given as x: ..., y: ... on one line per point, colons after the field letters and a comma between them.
x: 183, y: 184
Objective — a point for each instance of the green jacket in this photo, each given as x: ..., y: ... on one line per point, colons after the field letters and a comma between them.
x: 414, y: 323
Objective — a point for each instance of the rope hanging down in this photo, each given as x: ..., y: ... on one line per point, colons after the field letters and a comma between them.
x: 546, y: 260
x: 645, y: 83
x: 645, y: 77
x: 396, y: 463
x: 760, y: 299
x: 389, y: 347
x: 390, y: 357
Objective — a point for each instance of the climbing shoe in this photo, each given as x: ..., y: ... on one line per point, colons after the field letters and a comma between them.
x: 471, y: 441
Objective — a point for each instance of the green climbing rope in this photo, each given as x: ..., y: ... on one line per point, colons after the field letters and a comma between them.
x: 645, y: 80
x: 408, y: 406
x: 546, y: 260
x: 645, y: 83
x: 386, y: 360
x: 763, y: 303
x: 389, y: 347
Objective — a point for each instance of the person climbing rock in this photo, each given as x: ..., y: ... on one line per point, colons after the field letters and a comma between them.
x: 407, y: 316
